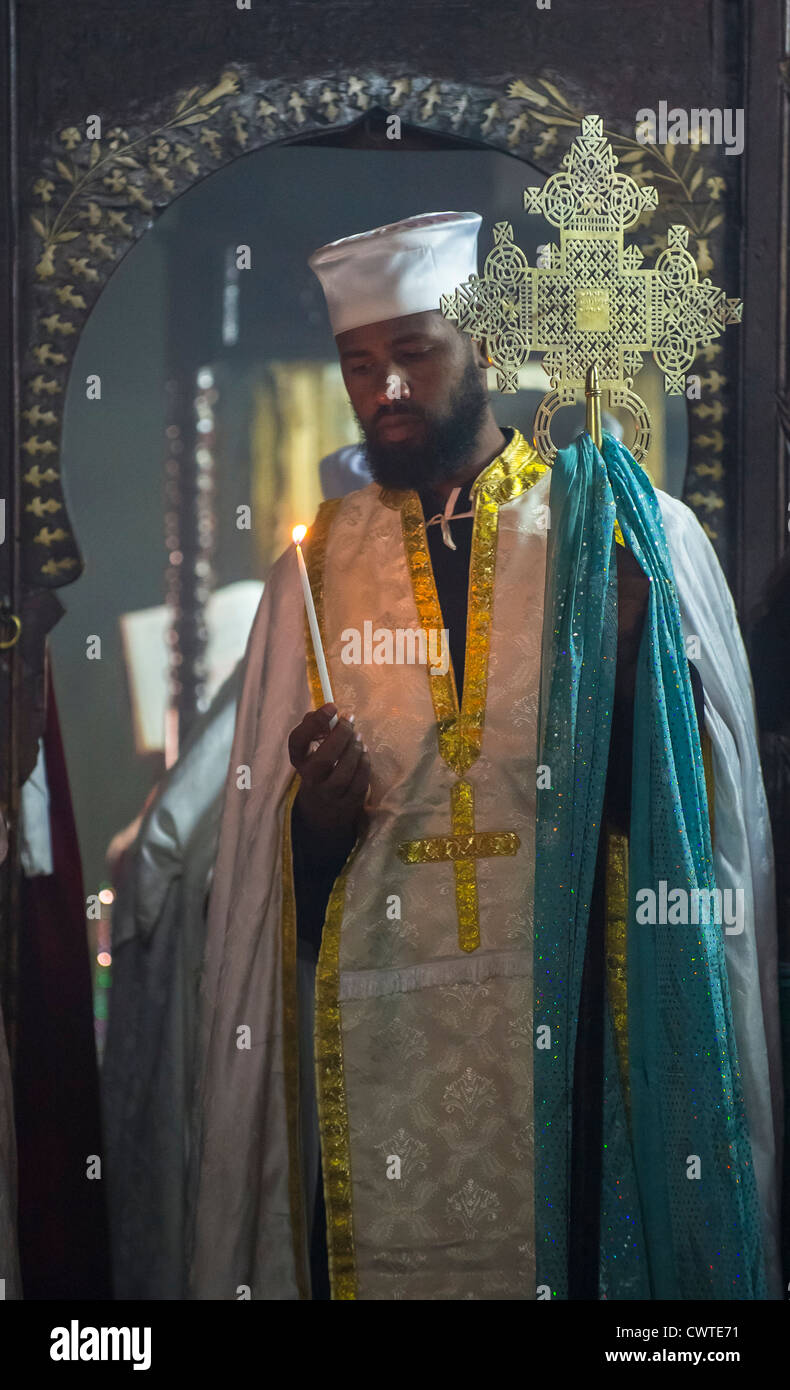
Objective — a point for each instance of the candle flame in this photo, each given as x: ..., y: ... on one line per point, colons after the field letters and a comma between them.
x: 299, y: 533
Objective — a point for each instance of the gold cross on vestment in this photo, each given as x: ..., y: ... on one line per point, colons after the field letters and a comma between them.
x: 461, y: 849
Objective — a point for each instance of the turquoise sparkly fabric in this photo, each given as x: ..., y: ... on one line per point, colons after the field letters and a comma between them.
x: 679, y: 1213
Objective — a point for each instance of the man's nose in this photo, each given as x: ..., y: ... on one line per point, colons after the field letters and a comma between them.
x: 393, y: 387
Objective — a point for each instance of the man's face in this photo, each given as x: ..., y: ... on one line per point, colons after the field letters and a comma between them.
x: 417, y: 387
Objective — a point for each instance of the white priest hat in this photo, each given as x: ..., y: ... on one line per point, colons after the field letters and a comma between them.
x: 403, y: 268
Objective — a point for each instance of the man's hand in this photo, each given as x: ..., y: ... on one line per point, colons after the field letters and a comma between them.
x: 334, y: 777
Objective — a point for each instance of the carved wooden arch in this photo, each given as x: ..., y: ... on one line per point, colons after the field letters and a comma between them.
x: 92, y: 199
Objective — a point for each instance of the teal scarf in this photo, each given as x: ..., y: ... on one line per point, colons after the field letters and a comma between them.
x: 679, y: 1212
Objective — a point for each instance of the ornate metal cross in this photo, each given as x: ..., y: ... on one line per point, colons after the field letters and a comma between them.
x: 593, y: 303
x: 461, y: 849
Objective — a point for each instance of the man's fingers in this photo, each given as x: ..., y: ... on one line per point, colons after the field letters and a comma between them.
x: 320, y: 764
x: 314, y: 726
x: 355, y: 792
x: 341, y: 776
x: 316, y: 766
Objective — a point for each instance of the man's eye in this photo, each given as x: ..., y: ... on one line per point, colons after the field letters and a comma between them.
x: 417, y: 353
x: 360, y: 368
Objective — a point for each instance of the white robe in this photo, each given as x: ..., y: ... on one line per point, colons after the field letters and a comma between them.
x: 240, y: 1192
x: 743, y: 848
x: 157, y: 938
x: 158, y: 935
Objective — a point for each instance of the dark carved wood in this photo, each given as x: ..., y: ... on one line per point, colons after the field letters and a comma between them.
x: 16, y: 745
x: 90, y: 200
x: 763, y: 382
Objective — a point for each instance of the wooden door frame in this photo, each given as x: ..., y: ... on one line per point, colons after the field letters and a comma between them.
x: 761, y: 514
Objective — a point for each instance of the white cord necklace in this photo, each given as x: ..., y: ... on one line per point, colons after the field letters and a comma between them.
x: 444, y: 518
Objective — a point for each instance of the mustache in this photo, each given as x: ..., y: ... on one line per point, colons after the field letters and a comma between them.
x: 386, y: 412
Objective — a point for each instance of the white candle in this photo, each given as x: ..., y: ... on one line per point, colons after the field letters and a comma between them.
x: 299, y: 533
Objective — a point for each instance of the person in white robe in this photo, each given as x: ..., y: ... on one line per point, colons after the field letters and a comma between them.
x: 423, y: 986
x: 158, y: 935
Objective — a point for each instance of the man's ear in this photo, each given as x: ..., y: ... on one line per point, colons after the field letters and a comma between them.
x: 480, y: 353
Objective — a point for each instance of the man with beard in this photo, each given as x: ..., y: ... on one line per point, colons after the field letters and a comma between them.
x: 366, y: 1117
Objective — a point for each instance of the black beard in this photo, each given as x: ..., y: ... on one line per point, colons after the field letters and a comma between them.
x: 447, y: 444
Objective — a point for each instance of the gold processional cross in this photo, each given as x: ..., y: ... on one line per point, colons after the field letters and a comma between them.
x: 593, y: 308
x: 592, y: 311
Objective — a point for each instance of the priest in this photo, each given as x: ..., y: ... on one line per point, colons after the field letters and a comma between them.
x: 440, y: 1058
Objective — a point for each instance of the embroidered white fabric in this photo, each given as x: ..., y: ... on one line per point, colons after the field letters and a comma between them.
x: 446, y: 1055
